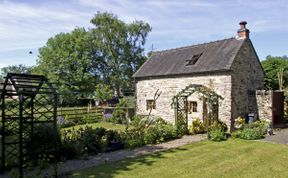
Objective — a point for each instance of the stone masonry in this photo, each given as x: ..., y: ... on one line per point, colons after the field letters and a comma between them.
x: 171, y: 86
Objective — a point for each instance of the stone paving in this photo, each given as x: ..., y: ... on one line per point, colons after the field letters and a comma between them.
x: 279, y: 136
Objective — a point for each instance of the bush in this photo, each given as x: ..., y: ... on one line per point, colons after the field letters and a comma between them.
x: 44, y: 141
x: 159, y: 133
x: 94, y: 139
x: 118, y: 116
x: 68, y: 150
x: 133, y: 137
x: 217, y: 134
x: 250, y: 134
x: 253, y: 131
x: 197, y: 127
x: 218, y: 125
x: 148, y: 131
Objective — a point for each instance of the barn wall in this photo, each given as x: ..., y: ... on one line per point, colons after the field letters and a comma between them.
x: 247, y: 77
x: 169, y: 87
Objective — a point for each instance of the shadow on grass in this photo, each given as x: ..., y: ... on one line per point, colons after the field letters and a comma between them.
x: 112, y: 169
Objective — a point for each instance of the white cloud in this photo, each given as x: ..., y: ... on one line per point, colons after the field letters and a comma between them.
x: 26, y: 25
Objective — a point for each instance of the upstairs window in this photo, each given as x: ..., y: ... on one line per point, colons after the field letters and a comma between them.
x: 150, y: 104
x: 192, y: 106
x: 193, y: 59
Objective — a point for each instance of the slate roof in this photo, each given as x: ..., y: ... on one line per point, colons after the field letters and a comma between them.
x: 216, y: 56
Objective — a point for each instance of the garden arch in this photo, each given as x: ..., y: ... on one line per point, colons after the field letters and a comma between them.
x: 180, y: 105
x: 28, y: 103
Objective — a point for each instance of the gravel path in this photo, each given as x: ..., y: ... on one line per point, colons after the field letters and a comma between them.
x: 73, y: 165
x: 280, y: 136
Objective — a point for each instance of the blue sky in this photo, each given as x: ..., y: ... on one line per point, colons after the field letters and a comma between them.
x: 26, y: 25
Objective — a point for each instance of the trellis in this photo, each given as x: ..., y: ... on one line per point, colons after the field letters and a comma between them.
x: 27, y: 102
x: 180, y: 105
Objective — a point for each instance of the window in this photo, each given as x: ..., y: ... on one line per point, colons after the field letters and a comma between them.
x: 192, y: 106
x: 193, y: 59
x: 150, y: 104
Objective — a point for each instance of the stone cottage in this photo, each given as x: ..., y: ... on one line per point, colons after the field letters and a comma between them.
x: 229, y: 67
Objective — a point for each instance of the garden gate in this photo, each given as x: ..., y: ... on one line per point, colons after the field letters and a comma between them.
x: 180, y: 105
x: 28, y: 109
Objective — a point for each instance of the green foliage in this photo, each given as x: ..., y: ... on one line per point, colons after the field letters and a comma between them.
x: 272, y: 66
x: 253, y: 131
x: 250, y: 134
x: 21, y: 69
x: 121, y: 46
x: 148, y: 131
x: 66, y: 60
x: 197, y: 127
x: 220, y: 125
x: 109, y: 54
x: 217, y: 131
x: 133, y: 137
x: 45, y: 139
x: 217, y: 134
x: 88, y: 140
x: 103, y: 92
x: 159, y: 133
x: 119, y: 114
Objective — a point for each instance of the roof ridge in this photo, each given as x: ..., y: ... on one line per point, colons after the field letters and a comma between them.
x: 196, y: 45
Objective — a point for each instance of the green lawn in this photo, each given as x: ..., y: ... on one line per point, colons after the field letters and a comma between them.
x: 232, y: 158
x: 106, y: 125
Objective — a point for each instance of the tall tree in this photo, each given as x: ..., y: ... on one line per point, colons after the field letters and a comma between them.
x: 120, y: 47
x: 276, y: 72
x: 66, y: 60
x: 109, y: 53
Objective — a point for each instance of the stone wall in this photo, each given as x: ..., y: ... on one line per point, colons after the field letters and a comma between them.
x: 247, y: 77
x: 169, y: 87
x: 264, y: 103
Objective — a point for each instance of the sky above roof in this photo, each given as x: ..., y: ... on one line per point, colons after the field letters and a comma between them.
x: 26, y: 25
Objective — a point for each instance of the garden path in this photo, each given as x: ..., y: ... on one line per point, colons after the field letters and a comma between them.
x: 279, y: 136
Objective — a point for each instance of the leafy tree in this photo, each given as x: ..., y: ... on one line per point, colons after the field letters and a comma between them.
x: 16, y: 69
x: 120, y: 47
x: 109, y: 54
x: 66, y: 60
x: 103, y: 92
x: 275, y: 67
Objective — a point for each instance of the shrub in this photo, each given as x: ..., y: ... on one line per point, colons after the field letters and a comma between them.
x: 217, y: 134
x: 251, y: 134
x: 118, y: 116
x: 93, y: 139
x: 159, y: 133
x: 68, y: 150
x: 133, y: 137
x: 253, y: 131
x: 44, y: 141
x: 150, y: 130
x: 218, y: 125
x: 196, y: 127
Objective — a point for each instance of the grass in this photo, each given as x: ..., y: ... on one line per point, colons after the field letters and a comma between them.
x: 232, y: 158
x: 106, y: 125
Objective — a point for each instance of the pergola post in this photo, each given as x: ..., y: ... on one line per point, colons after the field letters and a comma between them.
x: 182, y: 96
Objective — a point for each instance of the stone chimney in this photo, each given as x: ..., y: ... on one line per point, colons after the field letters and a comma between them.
x: 243, y: 32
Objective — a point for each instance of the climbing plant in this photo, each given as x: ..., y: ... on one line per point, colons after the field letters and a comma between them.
x: 179, y: 103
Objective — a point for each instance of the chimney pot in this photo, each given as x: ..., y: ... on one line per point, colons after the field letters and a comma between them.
x: 243, y: 32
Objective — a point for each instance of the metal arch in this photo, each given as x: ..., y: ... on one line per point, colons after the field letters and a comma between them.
x: 26, y: 101
x: 179, y: 104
